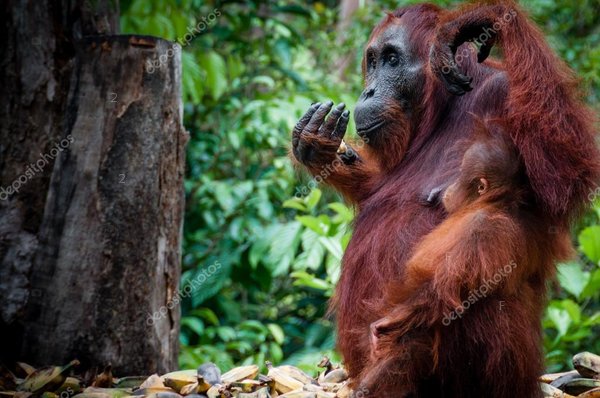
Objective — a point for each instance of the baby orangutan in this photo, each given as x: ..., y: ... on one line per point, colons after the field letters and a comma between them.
x: 470, y: 290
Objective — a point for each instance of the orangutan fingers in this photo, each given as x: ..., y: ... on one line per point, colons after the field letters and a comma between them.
x: 327, y: 128
x: 456, y: 82
x: 299, y: 127
x: 317, y: 119
x: 340, y: 129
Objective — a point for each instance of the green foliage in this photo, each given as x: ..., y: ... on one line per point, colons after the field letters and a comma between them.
x: 573, y: 318
x: 250, y: 69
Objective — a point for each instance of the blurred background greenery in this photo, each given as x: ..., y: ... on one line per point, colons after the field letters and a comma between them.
x: 251, y: 70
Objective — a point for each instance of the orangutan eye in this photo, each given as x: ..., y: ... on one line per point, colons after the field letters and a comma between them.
x: 371, y: 61
x: 392, y: 59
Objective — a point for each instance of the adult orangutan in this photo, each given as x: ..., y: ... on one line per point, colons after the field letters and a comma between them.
x: 423, y: 85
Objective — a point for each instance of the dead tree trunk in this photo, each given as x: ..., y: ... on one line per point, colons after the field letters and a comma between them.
x: 91, y: 241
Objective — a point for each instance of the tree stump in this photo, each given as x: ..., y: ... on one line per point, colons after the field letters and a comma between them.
x: 109, y: 243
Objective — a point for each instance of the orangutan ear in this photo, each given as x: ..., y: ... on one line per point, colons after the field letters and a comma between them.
x: 482, y: 186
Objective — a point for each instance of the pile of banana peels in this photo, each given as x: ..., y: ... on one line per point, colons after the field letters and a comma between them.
x: 583, y: 382
x: 283, y: 381
x: 207, y: 381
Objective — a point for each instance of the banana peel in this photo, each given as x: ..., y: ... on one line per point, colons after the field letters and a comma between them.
x: 587, y: 364
x: 99, y: 392
x: 239, y: 374
x: 552, y: 392
x: 261, y: 393
x: 297, y: 374
x: 284, y: 383
x: 164, y: 395
x: 299, y: 394
x: 152, y: 390
x: 178, y: 381
x: 129, y: 381
x: 210, y: 373
x: 153, y: 381
x: 24, y: 369
x: 46, y: 379
x: 71, y: 385
x: 345, y: 391
x: 248, y: 385
x: 214, y: 392
x: 334, y: 376
x: 595, y: 393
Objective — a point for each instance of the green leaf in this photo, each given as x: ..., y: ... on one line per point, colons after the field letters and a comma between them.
x: 333, y: 246
x: 333, y: 268
x: 192, y: 78
x: 308, y: 280
x: 589, y: 241
x: 313, y: 198
x: 275, y: 352
x: 214, y: 282
x: 235, y: 66
x: 573, y: 309
x: 283, y: 247
x: 195, y: 324
x: 260, y: 246
x: 560, y: 319
x: 224, y: 196
x: 572, y: 278
x: 277, y: 333
x: 226, y: 333
x: 294, y: 9
x: 313, y: 223
x: 216, y: 79
x: 594, y: 320
x: 206, y: 314
x: 266, y: 81
x: 254, y: 326
x: 593, y: 286
x: 295, y: 203
x: 313, y: 251
x: 344, y: 213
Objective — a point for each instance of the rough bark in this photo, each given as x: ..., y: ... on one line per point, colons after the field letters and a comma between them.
x: 110, y: 237
x: 90, y: 244
x: 37, y: 51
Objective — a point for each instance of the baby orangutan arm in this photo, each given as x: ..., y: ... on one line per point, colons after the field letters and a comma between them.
x: 459, y: 258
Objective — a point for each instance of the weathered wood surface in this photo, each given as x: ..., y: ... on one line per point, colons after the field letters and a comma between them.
x: 90, y: 245
x: 36, y: 43
x: 110, y: 237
